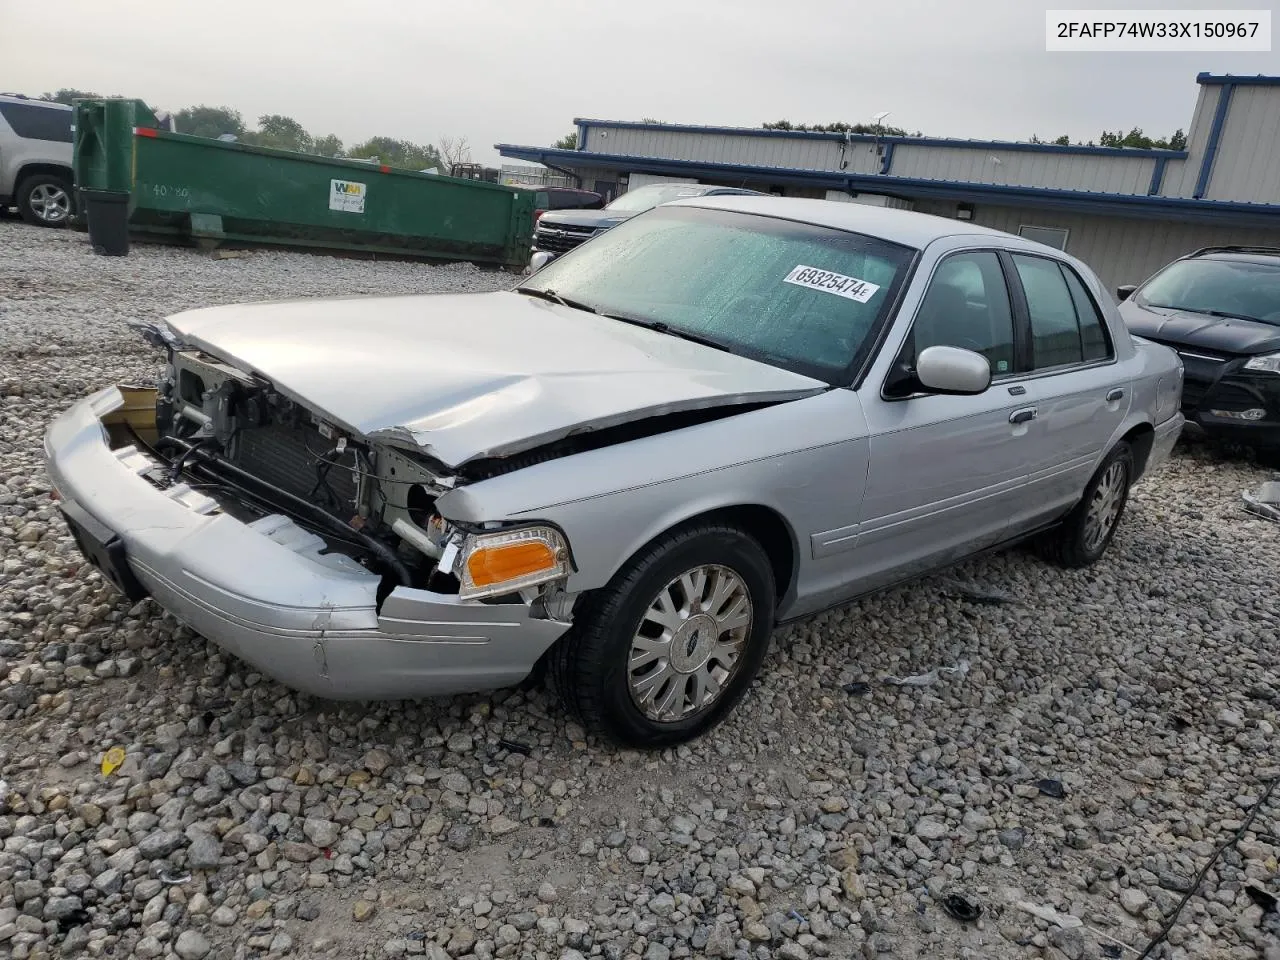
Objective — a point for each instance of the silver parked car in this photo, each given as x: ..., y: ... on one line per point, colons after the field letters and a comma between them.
x: 723, y: 414
x: 35, y: 159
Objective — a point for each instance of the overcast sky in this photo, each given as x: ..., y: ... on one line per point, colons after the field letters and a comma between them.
x: 502, y: 71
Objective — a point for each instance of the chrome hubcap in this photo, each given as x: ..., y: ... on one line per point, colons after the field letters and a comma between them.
x: 689, y: 643
x: 1104, y: 506
x: 51, y: 204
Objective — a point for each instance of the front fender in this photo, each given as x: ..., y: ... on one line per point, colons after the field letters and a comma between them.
x: 805, y: 460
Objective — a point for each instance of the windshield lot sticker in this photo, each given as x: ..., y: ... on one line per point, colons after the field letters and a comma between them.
x: 346, y: 195
x: 850, y: 288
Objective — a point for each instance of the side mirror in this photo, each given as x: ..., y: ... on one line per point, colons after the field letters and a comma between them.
x: 540, y: 259
x: 1125, y: 290
x: 953, y: 370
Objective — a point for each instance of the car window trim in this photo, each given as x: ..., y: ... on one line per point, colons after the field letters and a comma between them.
x: 1061, y: 367
x: 1017, y: 333
x: 1097, y: 311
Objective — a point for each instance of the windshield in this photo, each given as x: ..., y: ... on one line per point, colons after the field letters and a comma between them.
x: 1240, y: 288
x: 645, y: 198
x: 805, y: 298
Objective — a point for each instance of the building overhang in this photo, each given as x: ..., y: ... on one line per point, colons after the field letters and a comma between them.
x: 1231, y: 213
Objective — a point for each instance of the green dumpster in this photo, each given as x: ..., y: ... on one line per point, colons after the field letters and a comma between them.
x: 135, y: 179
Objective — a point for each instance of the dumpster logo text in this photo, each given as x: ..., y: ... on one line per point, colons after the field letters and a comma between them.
x: 347, y: 196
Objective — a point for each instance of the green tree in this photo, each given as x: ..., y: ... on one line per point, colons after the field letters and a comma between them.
x: 280, y: 132
x: 1063, y: 141
x: 568, y: 142
x: 398, y: 153
x: 68, y: 95
x: 856, y: 128
x: 210, y: 122
x: 327, y: 146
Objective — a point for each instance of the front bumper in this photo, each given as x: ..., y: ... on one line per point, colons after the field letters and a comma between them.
x: 1233, y: 404
x: 264, y: 592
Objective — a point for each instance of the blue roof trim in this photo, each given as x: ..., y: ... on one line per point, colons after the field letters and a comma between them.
x: 1259, y: 80
x: 1010, y: 145
x: 1109, y: 204
x: 1215, y: 136
x: 1157, y: 176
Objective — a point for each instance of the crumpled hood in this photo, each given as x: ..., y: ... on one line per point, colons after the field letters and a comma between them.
x: 463, y: 376
x: 1184, y: 328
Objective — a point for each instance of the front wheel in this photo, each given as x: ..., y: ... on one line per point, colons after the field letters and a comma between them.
x: 665, y: 650
x: 45, y: 199
x: 1088, y: 530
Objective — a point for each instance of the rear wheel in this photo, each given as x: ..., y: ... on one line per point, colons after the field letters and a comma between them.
x: 1088, y: 530
x: 669, y: 646
x: 45, y: 199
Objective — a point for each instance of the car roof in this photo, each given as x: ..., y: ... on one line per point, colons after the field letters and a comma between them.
x: 1271, y: 258
x: 899, y: 226
x: 32, y: 101
x: 703, y: 189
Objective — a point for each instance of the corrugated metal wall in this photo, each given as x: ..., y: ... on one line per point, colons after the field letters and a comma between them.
x: 1062, y: 171
x: 1180, y: 175
x: 1247, y: 166
x: 1066, y: 171
x: 1118, y: 250
x: 797, y: 153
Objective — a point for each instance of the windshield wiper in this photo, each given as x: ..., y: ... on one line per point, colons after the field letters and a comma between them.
x: 556, y: 298
x: 656, y: 325
x: 1208, y: 313
x: 1230, y: 316
x: 660, y: 327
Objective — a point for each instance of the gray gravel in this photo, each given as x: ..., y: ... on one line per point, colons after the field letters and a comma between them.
x: 250, y: 821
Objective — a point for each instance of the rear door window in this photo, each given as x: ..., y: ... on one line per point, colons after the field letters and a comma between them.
x: 1066, y: 327
x: 35, y: 122
x: 1093, y: 331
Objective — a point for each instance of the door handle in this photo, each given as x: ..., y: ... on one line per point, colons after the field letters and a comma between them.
x: 1116, y: 394
x: 1025, y: 415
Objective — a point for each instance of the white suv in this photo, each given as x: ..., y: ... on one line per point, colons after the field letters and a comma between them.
x: 35, y: 159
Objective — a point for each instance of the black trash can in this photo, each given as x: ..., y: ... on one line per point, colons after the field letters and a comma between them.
x: 108, y: 214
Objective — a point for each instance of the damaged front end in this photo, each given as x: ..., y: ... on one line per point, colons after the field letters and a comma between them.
x: 256, y: 453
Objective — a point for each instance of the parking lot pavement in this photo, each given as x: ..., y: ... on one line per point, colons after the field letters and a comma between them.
x: 818, y: 821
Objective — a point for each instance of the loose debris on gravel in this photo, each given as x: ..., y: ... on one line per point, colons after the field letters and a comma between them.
x: 247, y: 821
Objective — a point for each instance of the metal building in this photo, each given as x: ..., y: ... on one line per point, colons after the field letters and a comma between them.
x: 1124, y: 211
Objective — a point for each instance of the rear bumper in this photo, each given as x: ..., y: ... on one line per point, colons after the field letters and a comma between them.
x: 265, y: 593
x: 1166, y: 437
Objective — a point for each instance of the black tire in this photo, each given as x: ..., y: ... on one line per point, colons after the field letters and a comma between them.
x: 33, y: 199
x: 589, y: 666
x: 1071, y: 545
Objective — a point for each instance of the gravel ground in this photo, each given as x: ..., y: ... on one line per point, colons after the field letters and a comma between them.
x: 818, y: 821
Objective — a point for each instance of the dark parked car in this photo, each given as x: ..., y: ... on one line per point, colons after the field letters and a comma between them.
x: 562, y: 198
x: 1220, y: 309
x: 560, y: 232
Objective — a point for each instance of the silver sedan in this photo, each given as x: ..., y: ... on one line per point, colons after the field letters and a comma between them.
x: 723, y: 414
